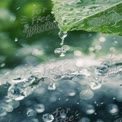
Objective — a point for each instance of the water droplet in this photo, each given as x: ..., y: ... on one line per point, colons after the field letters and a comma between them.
x: 113, y: 109
x: 39, y: 108
x: 90, y: 109
x: 52, y: 86
x: 95, y: 85
x: 62, y: 35
x: 86, y: 94
x: 48, y: 117
x: 71, y: 93
x: 16, y: 39
x: 30, y: 112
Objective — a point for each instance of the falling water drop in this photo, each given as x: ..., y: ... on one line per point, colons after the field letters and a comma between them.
x: 62, y: 35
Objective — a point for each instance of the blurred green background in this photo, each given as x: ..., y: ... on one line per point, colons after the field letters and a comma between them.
x: 29, y: 35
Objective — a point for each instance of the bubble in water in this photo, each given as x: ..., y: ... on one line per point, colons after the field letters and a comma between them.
x: 48, y: 117
x: 95, y: 85
x: 39, y: 108
x: 113, y: 109
x: 90, y: 109
x: 86, y: 94
x: 30, y: 112
x: 84, y: 119
x: 2, y: 112
x: 63, y: 115
x: 52, y: 86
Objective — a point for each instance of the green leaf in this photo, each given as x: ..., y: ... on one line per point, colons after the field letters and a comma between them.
x: 89, y: 15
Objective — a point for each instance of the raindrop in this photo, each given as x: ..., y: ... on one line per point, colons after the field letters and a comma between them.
x: 39, y: 108
x: 48, y: 117
x: 52, y: 86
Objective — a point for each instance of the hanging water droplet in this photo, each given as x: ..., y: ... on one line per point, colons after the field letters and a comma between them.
x: 95, y: 85
x: 52, y: 86
x: 113, y: 109
x: 48, y: 117
x: 39, y: 108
